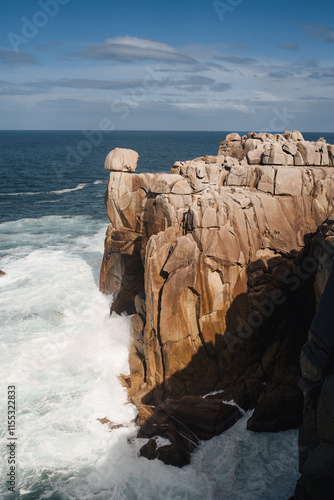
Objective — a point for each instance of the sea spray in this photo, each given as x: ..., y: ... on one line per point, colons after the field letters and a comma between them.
x: 64, y: 351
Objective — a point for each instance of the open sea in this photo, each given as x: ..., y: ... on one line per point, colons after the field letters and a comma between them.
x: 63, y: 351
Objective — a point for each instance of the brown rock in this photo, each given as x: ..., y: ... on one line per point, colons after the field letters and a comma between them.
x: 289, y: 181
x: 121, y: 160
x: 254, y: 156
x: 274, y: 156
x: 233, y: 137
x: 210, y: 258
x: 307, y: 151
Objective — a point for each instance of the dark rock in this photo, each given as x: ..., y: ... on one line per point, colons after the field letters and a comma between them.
x: 185, y: 422
x: 317, y: 480
x: 277, y: 410
x: 325, y: 413
x: 316, y: 436
x: 2, y: 273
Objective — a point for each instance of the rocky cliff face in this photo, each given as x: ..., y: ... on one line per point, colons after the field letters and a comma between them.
x: 216, y: 261
x: 316, y: 434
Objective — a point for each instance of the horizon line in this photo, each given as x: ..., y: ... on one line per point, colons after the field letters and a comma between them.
x: 158, y: 130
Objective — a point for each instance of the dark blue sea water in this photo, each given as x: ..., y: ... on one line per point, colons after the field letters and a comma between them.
x: 64, y: 352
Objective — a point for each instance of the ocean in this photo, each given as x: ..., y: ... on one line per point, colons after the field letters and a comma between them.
x: 63, y: 351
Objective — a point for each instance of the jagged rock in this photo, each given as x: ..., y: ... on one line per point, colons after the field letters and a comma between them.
x: 254, y: 156
x: 290, y: 148
x: 266, y: 179
x: 274, y: 156
x: 121, y: 160
x: 262, y: 136
x: 217, y: 262
x: 293, y: 136
x: 287, y: 149
x: 233, y: 137
x: 2, y: 273
x: 232, y: 147
x: 185, y: 422
x: 251, y: 144
x: 298, y: 159
x: 330, y: 150
x: 169, y: 183
x: 307, y: 151
x: 112, y: 426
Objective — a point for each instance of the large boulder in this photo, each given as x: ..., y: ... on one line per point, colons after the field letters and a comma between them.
x: 121, y: 160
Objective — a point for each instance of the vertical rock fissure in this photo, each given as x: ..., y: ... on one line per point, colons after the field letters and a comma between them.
x: 159, y: 333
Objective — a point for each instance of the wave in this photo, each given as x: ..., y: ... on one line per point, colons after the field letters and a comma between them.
x: 20, y: 194
x: 47, y: 201
x: 60, y: 191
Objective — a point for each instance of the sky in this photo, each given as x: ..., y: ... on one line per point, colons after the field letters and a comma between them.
x: 167, y: 65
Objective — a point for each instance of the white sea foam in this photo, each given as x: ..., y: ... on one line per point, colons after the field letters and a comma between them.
x: 64, y: 351
x: 27, y: 193
x: 59, y: 191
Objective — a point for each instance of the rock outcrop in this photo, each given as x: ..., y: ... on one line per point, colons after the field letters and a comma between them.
x: 121, y: 160
x: 278, y: 149
x: 217, y: 261
x: 2, y: 273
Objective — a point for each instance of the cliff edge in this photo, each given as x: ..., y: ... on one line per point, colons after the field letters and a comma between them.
x: 217, y: 263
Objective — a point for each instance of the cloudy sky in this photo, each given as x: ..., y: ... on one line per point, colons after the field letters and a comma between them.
x: 168, y: 65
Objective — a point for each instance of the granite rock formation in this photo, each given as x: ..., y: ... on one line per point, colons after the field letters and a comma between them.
x: 217, y: 261
x: 121, y: 160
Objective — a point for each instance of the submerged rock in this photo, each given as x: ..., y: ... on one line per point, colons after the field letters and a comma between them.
x: 111, y: 425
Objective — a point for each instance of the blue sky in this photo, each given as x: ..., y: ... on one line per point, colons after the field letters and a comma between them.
x: 168, y: 65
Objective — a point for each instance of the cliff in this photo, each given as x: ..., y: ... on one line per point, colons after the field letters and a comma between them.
x: 316, y: 434
x: 217, y: 263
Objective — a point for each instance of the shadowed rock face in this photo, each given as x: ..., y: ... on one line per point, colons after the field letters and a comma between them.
x: 217, y: 261
x: 316, y: 435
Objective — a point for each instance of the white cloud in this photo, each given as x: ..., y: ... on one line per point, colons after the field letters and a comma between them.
x: 213, y: 106
x: 127, y: 49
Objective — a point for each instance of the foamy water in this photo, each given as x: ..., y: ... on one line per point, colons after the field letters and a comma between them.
x: 58, y: 191
x: 64, y: 352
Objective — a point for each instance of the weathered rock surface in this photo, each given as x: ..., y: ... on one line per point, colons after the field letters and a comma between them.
x: 217, y: 261
x: 277, y: 149
x: 121, y: 160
